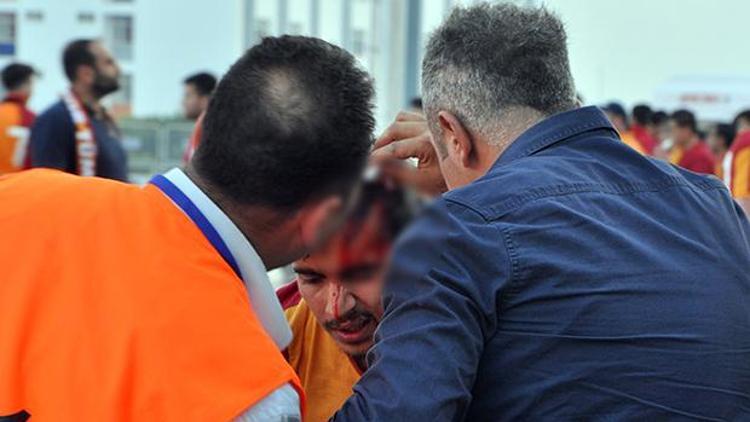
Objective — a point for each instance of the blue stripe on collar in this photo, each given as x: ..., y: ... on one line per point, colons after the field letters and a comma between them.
x: 188, y: 207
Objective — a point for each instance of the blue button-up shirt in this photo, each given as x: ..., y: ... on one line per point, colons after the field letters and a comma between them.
x: 576, y: 280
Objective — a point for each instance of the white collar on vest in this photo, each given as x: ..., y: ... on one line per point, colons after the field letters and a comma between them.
x: 253, y: 271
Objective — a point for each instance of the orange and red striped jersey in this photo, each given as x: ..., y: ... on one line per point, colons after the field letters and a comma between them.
x: 15, y: 123
x: 630, y: 140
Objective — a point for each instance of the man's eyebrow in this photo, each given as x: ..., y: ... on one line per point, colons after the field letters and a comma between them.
x: 307, y: 271
x: 357, y: 268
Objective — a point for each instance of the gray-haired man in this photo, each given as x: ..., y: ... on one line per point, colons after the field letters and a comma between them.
x: 559, y: 278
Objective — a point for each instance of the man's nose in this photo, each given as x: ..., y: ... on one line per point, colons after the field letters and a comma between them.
x: 339, y: 302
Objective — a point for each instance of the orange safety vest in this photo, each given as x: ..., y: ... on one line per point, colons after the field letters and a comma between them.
x: 114, y: 306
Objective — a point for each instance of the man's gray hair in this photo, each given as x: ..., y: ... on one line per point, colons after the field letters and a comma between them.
x: 491, y: 64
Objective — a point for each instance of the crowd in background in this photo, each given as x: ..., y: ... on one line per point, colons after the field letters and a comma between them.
x: 77, y: 134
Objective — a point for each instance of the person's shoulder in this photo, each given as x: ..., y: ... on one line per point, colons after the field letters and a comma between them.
x: 289, y: 295
x: 57, y: 113
x: 446, y: 227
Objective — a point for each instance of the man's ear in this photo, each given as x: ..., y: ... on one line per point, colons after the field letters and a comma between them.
x: 319, y: 220
x: 457, y: 140
x: 85, y: 74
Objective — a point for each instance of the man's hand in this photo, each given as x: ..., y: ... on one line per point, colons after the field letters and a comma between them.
x: 409, y: 137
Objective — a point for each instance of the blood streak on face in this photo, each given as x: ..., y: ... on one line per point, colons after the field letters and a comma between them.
x: 342, y: 282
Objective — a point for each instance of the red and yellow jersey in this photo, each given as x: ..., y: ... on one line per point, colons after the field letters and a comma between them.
x: 644, y: 138
x: 15, y: 123
x: 629, y: 139
x: 118, y: 307
x: 327, y: 374
x: 697, y: 158
x: 737, y: 166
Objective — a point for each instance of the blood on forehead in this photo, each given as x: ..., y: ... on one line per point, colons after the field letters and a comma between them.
x: 365, y: 239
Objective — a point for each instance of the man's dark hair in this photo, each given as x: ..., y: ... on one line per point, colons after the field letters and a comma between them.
x: 203, y: 82
x: 659, y: 118
x: 726, y: 133
x: 290, y: 121
x: 743, y: 115
x: 642, y: 114
x: 685, y: 119
x: 394, y: 202
x: 15, y: 75
x: 488, y: 60
x: 77, y: 53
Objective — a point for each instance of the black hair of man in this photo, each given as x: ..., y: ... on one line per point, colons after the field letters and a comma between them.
x: 726, y: 133
x: 642, y: 114
x: 290, y: 121
x: 743, y: 115
x: 203, y: 82
x: 685, y: 119
x: 15, y: 75
x: 398, y: 210
x: 659, y: 118
x: 77, y: 53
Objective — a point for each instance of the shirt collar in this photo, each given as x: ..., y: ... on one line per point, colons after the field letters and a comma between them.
x: 554, y: 129
x: 242, y: 257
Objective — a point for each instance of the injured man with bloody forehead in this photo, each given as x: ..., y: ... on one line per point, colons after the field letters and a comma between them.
x: 334, y: 305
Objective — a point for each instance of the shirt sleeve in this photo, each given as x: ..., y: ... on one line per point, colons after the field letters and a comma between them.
x: 282, y: 405
x: 52, y: 143
x: 440, y: 306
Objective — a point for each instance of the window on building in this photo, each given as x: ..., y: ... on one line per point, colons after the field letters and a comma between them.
x: 7, y: 34
x: 359, y: 45
x: 35, y: 15
x: 118, y: 34
x: 294, y: 28
x: 86, y: 17
x: 262, y: 28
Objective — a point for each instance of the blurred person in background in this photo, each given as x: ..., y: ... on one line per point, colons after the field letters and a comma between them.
x: 640, y: 127
x: 334, y: 305
x: 514, y: 295
x: 153, y: 303
x: 659, y: 126
x: 619, y: 118
x: 659, y: 131
x: 77, y: 134
x: 197, y: 94
x: 415, y: 105
x: 197, y: 90
x: 15, y: 118
x: 688, y: 149
x: 720, y: 140
x: 737, y: 162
